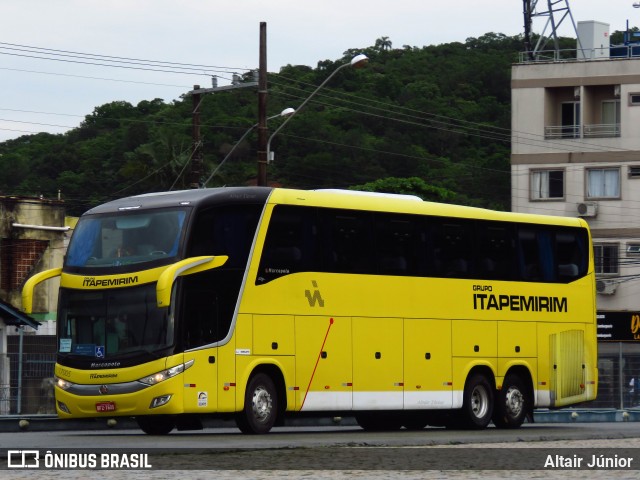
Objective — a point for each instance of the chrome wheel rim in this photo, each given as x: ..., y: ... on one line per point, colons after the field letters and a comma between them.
x: 514, y: 401
x: 479, y: 401
x: 262, y: 404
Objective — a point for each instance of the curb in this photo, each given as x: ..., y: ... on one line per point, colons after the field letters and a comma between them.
x: 45, y: 423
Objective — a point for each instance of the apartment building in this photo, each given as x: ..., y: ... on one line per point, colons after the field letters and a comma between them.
x: 576, y: 152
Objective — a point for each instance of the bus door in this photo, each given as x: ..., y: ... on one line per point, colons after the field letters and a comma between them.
x: 199, y: 328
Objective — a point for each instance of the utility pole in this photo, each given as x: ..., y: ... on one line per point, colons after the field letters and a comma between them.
x: 197, y: 161
x: 196, y: 152
x: 262, y: 108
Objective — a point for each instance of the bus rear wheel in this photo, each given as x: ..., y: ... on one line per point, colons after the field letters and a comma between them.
x: 260, y: 406
x: 477, y: 404
x: 512, y: 403
x: 156, y: 424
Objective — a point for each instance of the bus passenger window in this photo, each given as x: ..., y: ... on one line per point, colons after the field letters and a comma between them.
x: 453, y: 249
x: 349, y: 242
x: 290, y: 245
x: 537, y: 256
x: 528, y: 255
x: 394, y: 244
x: 225, y: 231
x: 494, y: 251
x: 571, y: 254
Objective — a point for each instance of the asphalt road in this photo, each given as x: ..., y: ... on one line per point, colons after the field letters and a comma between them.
x: 332, y: 452
x: 309, y: 437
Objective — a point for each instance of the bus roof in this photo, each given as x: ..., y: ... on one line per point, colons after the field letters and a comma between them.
x: 408, y: 204
x: 329, y: 198
x: 194, y: 197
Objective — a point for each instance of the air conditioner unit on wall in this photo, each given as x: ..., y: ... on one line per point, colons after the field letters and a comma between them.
x: 587, y: 209
x: 606, y: 287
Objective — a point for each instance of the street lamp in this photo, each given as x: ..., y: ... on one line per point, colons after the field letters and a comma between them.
x: 356, y: 62
x: 287, y: 112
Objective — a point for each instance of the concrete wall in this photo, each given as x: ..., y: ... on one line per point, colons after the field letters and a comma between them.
x: 32, y: 239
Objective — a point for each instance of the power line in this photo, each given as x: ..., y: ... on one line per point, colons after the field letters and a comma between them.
x: 87, y: 77
x: 112, y: 61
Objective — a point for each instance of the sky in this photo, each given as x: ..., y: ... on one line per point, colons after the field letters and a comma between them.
x: 41, y: 94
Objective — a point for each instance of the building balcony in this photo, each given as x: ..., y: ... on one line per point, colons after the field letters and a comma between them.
x: 561, y: 131
x: 594, y: 130
x: 601, y: 130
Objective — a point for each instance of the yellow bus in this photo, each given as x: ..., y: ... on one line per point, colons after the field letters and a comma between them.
x: 260, y: 303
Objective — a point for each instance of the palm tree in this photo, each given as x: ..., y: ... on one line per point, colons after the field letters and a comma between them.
x: 383, y: 44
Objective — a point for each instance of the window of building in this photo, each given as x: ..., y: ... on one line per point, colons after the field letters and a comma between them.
x: 633, y: 249
x: 606, y: 258
x: 603, y: 183
x: 547, y: 184
x: 611, y: 111
x: 634, y: 171
x: 570, y: 113
x: 610, y: 118
x: 634, y: 99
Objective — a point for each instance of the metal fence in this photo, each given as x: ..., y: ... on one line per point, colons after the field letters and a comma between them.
x: 618, y: 375
x: 31, y: 360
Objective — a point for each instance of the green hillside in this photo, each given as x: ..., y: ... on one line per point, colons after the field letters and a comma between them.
x: 429, y: 120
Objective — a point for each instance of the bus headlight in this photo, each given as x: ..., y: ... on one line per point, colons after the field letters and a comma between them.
x: 165, y: 374
x: 63, y: 384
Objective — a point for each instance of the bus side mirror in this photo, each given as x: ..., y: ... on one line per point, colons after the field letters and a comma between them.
x: 29, y: 285
x: 184, y: 267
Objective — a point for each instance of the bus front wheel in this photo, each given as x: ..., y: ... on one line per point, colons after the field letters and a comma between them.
x: 477, y: 404
x: 511, y: 404
x: 260, y: 406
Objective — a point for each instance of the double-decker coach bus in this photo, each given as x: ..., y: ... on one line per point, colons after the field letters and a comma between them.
x: 258, y: 303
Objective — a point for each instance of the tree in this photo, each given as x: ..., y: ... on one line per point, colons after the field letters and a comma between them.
x: 408, y: 186
x: 383, y: 44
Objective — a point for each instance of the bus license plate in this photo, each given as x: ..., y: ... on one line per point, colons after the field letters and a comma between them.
x: 105, y: 407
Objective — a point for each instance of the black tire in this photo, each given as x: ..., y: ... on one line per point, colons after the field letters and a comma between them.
x: 477, y: 404
x: 156, y: 424
x: 260, y: 406
x: 378, y: 422
x: 512, y: 403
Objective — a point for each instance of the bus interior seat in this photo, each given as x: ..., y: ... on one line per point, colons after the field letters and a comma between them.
x: 456, y: 266
x: 532, y: 272
x: 145, y: 249
x: 285, y: 255
x: 112, y: 343
x: 569, y: 270
x: 393, y: 265
x: 487, y: 266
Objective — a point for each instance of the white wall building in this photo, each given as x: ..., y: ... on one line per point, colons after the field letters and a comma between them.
x: 576, y: 152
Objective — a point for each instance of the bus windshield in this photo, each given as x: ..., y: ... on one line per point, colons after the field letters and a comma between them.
x: 115, y: 239
x: 104, y: 324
